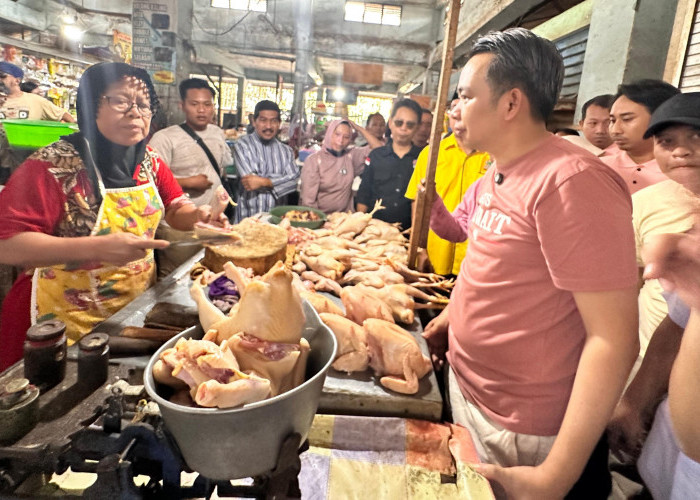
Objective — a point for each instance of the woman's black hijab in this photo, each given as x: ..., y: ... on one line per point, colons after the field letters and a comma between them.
x: 116, y: 163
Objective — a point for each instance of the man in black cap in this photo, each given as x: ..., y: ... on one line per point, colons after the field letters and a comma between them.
x: 669, y: 206
x: 23, y: 105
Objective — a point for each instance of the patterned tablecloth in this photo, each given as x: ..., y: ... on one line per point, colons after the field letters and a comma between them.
x: 389, y: 458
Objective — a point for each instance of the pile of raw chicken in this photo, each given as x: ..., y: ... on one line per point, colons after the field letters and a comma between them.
x: 363, y: 261
x: 254, y: 352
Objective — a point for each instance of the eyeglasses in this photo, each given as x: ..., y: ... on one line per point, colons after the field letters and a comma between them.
x: 3, y: 75
x: 409, y: 125
x: 124, y: 105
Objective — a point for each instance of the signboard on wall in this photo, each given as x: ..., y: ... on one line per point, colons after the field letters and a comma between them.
x: 121, y: 46
x: 154, y: 41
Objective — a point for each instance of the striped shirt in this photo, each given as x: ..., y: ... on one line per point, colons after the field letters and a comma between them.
x: 273, y: 160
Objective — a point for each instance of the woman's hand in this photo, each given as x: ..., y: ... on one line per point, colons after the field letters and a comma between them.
x: 204, y: 215
x: 121, y: 248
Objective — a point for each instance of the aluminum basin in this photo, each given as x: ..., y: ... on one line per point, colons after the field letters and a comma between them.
x: 243, y: 442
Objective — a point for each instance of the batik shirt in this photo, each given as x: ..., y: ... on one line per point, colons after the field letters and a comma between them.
x: 272, y: 160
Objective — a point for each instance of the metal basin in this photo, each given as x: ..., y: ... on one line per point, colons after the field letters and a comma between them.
x: 242, y: 442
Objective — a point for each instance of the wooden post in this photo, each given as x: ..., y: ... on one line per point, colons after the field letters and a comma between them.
x: 424, y: 201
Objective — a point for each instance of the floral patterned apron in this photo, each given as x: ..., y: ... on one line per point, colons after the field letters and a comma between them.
x: 84, y: 294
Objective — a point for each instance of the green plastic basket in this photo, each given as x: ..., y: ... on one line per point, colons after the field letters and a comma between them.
x: 277, y: 213
x: 35, y: 134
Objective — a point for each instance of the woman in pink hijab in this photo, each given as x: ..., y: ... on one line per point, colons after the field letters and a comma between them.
x: 327, y: 175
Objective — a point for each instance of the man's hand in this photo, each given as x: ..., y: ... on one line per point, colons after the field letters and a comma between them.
x: 522, y: 483
x: 675, y: 260
x: 435, y: 335
x: 121, y: 248
x: 626, y: 432
x: 198, y: 182
x: 255, y: 182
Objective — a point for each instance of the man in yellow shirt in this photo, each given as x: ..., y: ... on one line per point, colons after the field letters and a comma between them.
x: 456, y: 171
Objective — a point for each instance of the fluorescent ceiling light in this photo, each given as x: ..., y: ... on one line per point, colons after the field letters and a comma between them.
x: 72, y: 32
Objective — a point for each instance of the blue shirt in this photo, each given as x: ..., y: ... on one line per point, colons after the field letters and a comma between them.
x: 272, y: 160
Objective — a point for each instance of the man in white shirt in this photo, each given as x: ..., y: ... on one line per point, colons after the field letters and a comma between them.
x: 181, y: 149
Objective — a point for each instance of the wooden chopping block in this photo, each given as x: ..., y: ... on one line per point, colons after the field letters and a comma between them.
x: 262, y: 246
x: 138, y: 332
x: 166, y: 315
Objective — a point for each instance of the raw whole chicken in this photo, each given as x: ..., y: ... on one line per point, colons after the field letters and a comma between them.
x: 270, y: 309
x: 325, y: 265
x: 399, y: 298
x: 352, y: 355
x: 380, y: 230
x: 283, y: 365
x: 211, y: 372
x: 319, y: 302
x: 395, y: 356
x: 360, y: 305
x: 264, y: 329
x: 384, y: 275
x: 320, y: 283
x: 332, y: 242
x: 355, y: 223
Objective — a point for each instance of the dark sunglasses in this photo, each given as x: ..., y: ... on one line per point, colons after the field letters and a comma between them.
x: 3, y: 75
x: 409, y: 125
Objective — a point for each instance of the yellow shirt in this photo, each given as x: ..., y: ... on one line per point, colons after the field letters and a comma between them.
x: 455, y: 172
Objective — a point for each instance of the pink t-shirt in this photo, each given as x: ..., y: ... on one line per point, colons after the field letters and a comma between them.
x: 560, y: 222
x: 636, y: 175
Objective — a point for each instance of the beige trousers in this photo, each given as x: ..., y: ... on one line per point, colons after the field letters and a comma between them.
x: 495, y: 444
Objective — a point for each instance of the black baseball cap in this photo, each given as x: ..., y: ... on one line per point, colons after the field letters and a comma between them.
x: 681, y: 109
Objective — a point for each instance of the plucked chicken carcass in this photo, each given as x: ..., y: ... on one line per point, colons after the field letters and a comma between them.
x: 380, y: 230
x: 270, y: 309
x: 355, y: 223
x: 318, y: 301
x: 360, y: 305
x: 352, y: 355
x: 282, y: 364
x: 395, y: 356
x: 324, y: 264
x: 399, y: 298
x: 211, y: 372
x: 384, y: 275
x: 262, y: 331
x: 320, y: 283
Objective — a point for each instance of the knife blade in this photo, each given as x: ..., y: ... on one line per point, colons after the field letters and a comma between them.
x: 218, y: 240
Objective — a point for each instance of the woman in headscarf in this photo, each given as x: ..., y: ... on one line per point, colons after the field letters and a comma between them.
x: 327, y: 175
x: 80, y: 214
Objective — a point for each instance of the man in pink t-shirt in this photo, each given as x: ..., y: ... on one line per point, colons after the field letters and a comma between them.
x: 543, y: 318
x: 629, y: 119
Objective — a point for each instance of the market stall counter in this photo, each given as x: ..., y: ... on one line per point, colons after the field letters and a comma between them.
x: 352, y: 394
x: 113, y: 433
